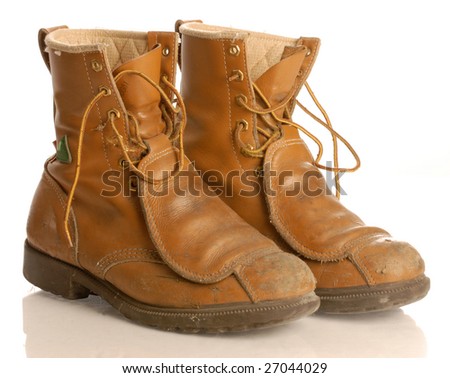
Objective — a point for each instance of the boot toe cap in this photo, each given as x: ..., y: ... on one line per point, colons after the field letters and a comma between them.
x: 386, y: 261
x: 276, y: 276
x: 379, y: 275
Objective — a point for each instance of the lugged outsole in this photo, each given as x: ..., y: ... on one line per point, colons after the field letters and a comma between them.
x: 71, y: 282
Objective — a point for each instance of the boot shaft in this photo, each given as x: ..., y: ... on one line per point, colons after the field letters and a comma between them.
x: 83, y: 64
x: 220, y: 68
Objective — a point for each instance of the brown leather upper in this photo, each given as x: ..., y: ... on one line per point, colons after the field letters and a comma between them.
x: 155, y: 248
x: 210, y: 135
x: 332, y: 234
x: 339, y: 248
x: 212, y: 251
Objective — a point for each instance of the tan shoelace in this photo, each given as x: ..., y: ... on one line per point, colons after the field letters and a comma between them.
x: 275, y: 132
x: 175, y: 130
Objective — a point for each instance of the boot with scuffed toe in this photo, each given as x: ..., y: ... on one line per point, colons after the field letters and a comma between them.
x: 121, y: 213
x: 240, y: 90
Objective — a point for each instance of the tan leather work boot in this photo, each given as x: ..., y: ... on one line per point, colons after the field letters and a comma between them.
x: 121, y: 213
x: 240, y: 91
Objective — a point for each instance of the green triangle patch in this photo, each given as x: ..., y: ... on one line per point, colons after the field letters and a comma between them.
x: 63, y: 152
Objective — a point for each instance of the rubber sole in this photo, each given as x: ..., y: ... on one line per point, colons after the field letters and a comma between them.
x: 70, y: 282
x: 371, y: 299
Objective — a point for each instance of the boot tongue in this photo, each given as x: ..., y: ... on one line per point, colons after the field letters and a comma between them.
x: 278, y: 80
x: 140, y: 98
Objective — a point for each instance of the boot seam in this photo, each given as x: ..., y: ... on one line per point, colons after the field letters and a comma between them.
x: 355, y: 259
x: 105, y: 152
x: 229, y: 105
x: 241, y: 277
x: 250, y: 90
x: 123, y: 256
x: 158, y: 156
x: 113, y: 90
x: 173, y: 58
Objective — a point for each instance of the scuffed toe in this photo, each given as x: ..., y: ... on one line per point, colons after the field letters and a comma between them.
x: 276, y: 276
x: 386, y: 261
x: 391, y: 275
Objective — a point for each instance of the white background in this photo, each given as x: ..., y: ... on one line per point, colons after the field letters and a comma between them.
x: 383, y: 76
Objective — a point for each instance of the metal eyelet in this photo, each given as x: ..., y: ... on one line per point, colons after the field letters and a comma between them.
x: 113, y: 112
x: 241, y: 99
x: 96, y: 66
x: 105, y: 89
x: 250, y: 147
x: 133, y: 183
x: 308, y: 52
x: 123, y: 163
x: 237, y: 75
x: 234, y: 50
x: 243, y: 124
x: 166, y: 51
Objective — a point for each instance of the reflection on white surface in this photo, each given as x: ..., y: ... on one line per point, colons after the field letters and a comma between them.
x: 90, y: 327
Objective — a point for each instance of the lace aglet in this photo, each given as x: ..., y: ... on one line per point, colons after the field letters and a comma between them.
x: 69, y: 238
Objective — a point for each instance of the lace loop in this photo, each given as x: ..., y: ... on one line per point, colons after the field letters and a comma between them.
x: 175, y: 124
x: 270, y: 109
x: 275, y: 132
x: 103, y: 92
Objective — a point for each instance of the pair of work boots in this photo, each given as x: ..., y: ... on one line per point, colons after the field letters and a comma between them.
x: 122, y: 213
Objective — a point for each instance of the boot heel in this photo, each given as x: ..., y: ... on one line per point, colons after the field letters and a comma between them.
x: 52, y: 275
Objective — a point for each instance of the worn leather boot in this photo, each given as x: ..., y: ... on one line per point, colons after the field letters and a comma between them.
x: 240, y: 91
x: 121, y: 213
